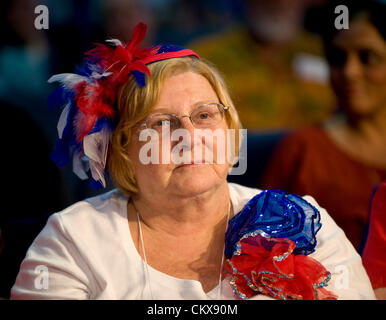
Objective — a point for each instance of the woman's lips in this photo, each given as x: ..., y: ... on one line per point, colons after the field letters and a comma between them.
x: 188, y: 165
x: 351, y: 90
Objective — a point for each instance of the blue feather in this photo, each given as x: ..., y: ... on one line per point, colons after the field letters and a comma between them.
x: 61, y: 154
x: 95, y: 184
x: 55, y: 98
x: 139, y: 77
x: 84, y: 69
x: 104, y: 123
x: 67, y: 144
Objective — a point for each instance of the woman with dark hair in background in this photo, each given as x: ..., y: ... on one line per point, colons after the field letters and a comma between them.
x: 341, y: 161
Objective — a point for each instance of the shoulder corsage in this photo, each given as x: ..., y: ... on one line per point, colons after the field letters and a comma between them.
x: 267, y: 246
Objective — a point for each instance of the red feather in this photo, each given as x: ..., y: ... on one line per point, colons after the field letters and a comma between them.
x: 83, y: 125
x: 96, y: 99
x: 101, y: 54
x: 138, y: 36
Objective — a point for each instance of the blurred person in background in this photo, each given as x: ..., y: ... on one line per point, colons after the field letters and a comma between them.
x: 340, y: 161
x: 186, y: 20
x: 24, y: 62
x: 31, y: 180
x: 118, y: 16
x: 273, y: 65
x: 31, y: 185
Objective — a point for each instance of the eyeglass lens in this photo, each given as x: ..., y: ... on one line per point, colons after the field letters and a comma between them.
x: 205, y: 116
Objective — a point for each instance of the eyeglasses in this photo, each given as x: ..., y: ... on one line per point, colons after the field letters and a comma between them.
x: 205, y: 116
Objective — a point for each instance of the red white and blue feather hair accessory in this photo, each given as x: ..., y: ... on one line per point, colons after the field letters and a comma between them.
x: 88, y: 98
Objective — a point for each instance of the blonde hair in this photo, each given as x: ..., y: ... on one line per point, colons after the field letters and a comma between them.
x: 135, y: 103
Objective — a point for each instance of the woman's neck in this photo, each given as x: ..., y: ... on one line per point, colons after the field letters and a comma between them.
x: 184, y: 239
x: 364, y: 139
x: 176, y: 216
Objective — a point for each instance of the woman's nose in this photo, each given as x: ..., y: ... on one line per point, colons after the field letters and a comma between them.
x: 186, y: 133
x: 352, y: 68
x: 186, y: 123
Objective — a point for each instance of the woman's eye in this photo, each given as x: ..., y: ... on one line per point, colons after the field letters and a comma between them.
x: 162, y: 122
x: 204, y: 115
x: 157, y: 123
x: 368, y: 57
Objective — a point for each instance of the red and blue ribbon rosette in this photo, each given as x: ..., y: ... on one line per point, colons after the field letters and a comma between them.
x: 267, y: 246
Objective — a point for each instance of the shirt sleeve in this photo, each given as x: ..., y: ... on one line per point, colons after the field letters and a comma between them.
x: 349, y: 280
x: 52, y: 268
x: 374, y: 252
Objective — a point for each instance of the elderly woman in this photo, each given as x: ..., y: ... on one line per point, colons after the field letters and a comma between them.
x: 174, y: 230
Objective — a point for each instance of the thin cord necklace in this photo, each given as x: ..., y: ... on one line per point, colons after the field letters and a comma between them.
x: 146, y: 266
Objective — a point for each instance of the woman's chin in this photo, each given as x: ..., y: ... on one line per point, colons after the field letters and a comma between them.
x: 195, y: 179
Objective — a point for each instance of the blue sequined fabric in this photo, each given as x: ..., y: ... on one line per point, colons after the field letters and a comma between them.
x: 278, y: 214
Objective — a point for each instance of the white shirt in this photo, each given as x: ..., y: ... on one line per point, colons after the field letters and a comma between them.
x: 86, y: 252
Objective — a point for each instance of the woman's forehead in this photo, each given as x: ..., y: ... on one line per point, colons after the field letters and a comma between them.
x: 361, y: 34
x: 186, y: 82
x: 187, y: 90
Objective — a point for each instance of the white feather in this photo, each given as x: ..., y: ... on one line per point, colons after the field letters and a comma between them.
x: 78, y: 167
x: 68, y: 80
x: 95, y: 147
x: 97, y: 75
x: 63, y: 120
x: 115, y: 42
x: 97, y: 172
